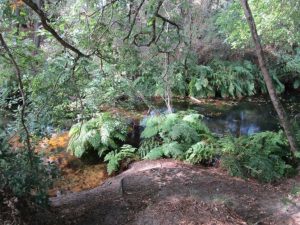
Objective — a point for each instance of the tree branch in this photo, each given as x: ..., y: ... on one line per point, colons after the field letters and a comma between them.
x: 23, y: 96
x: 155, y: 37
x: 47, y: 27
x: 168, y: 21
x: 134, y: 19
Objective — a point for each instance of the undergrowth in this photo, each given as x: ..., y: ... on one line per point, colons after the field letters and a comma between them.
x: 103, y: 134
x: 264, y: 156
x: 114, y: 158
x: 183, y: 136
x: 176, y: 136
x: 229, y: 79
x: 24, y: 184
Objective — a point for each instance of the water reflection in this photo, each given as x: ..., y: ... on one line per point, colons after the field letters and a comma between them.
x: 245, y: 118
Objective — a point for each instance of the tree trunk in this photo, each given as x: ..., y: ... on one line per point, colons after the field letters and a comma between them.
x: 283, y: 118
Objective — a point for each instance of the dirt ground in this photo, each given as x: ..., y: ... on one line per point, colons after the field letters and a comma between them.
x: 167, y: 192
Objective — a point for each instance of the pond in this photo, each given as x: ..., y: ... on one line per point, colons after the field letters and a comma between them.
x: 244, y: 117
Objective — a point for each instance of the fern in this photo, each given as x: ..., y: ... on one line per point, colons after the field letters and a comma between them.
x: 230, y: 79
x: 174, y: 150
x: 152, y: 127
x: 289, y: 68
x: 169, y: 150
x: 155, y: 153
x: 115, y: 157
x: 101, y: 134
x: 178, y: 127
x: 172, y: 135
x: 263, y: 156
x: 147, y: 145
x: 200, y: 152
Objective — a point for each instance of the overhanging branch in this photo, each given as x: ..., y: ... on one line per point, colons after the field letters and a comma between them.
x: 134, y: 20
x: 45, y: 22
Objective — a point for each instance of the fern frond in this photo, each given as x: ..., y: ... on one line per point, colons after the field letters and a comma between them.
x: 261, y: 156
x: 152, y: 127
x: 173, y: 150
x: 113, y: 162
x: 155, y: 153
x: 146, y: 146
x: 102, y: 134
x: 192, y: 118
x: 115, y: 157
x: 200, y: 152
x: 174, y: 133
x: 185, y: 132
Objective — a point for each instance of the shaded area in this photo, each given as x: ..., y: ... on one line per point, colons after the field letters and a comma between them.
x: 170, y: 192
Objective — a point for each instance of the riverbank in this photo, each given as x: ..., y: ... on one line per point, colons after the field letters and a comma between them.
x: 171, y: 192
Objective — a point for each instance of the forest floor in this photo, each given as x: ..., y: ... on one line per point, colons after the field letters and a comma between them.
x: 169, y: 192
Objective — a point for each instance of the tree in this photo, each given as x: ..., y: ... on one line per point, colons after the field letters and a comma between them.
x: 267, y: 78
x: 23, y: 97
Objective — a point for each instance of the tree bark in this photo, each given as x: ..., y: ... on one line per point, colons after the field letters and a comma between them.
x: 283, y: 118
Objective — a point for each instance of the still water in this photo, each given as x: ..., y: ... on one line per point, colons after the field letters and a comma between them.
x: 244, y: 117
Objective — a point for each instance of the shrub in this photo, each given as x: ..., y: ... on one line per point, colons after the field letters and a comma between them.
x: 170, y: 150
x: 18, y: 176
x: 102, y: 134
x: 23, y: 185
x: 264, y: 156
x: 230, y: 79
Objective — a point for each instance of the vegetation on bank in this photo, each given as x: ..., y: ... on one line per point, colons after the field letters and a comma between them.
x: 24, y: 184
x: 61, y: 61
x: 183, y: 136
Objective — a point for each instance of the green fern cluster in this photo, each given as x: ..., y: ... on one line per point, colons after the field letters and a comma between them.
x: 171, y: 150
x: 147, y: 145
x: 201, y: 152
x: 177, y: 135
x: 227, y: 78
x: 102, y: 134
x: 114, y: 158
x: 263, y: 156
x: 230, y: 79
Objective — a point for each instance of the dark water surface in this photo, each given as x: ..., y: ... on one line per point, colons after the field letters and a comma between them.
x: 244, y: 117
